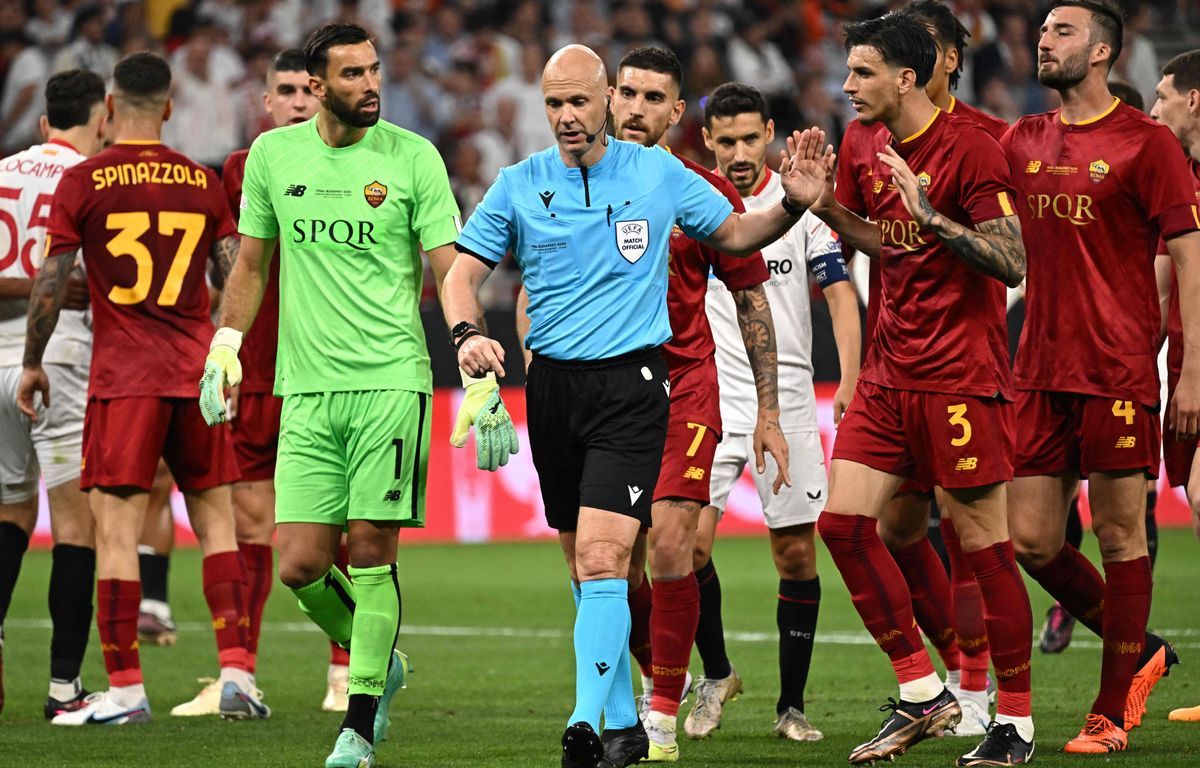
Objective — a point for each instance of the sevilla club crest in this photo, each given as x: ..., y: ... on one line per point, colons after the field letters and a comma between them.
x: 375, y: 193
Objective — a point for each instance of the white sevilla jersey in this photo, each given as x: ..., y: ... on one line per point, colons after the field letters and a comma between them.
x: 789, y: 260
x: 27, y: 183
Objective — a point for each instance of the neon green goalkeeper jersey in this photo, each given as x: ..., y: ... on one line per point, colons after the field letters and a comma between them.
x: 349, y: 222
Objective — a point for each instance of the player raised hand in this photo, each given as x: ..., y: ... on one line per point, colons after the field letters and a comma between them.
x: 495, y: 436
x: 221, y: 369
x: 806, y: 168
x: 911, y: 191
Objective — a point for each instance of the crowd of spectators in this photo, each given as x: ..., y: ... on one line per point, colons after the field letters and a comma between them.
x: 466, y: 73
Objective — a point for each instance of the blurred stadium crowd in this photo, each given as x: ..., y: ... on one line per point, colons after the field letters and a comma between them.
x: 466, y: 73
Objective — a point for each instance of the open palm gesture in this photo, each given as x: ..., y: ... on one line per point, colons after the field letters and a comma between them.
x: 806, y: 168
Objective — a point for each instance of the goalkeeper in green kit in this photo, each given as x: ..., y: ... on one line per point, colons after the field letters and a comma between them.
x: 350, y: 201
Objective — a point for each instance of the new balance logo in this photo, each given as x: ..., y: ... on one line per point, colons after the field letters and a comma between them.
x: 1034, y: 166
x: 635, y: 493
x: 1128, y: 441
x: 968, y: 464
x: 602, y: 667
x: 693, y: 473
x: 393, y: 495
x: 295, y: 190
x: 546, y: 196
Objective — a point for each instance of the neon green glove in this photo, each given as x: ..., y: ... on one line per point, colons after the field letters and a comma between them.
x: 495, y: 436
x: 221, y: 370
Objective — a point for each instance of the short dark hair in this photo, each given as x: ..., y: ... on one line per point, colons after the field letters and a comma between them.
x: 901, y: 40
x: 70, y: 97
x: 1127, y: 93
x: 654, y: 59
x: 289, y: 60
x: 316, y: 49
x: 947, y: 29
x: 1185, y: 68
x: 1108, y: 22
x: 732, y: 99
x: 142, y: 79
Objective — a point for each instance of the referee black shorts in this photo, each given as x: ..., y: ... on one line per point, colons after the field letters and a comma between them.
x: 596, y: 430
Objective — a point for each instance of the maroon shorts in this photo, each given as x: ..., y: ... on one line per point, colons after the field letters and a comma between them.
x: 124, y: 437
x: 687, y: 462
x: 256, y: 434
x: 1068, y: 432
x: 936, y: 439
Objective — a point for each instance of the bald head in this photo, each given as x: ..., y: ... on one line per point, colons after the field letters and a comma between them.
x: 577, y: 65
x: 575, y: 90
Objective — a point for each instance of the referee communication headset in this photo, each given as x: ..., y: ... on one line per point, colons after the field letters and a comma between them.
x: 591, y: 137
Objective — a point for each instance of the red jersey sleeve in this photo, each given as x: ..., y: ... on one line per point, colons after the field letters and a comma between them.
x: 987, y: 192
x: 224, y: 224
x: 231, y: 179
x: 1164, y: 186
x: 63, y: 230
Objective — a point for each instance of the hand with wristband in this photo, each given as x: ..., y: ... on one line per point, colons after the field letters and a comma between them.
x: 221, y: 369
x: 480, y: 359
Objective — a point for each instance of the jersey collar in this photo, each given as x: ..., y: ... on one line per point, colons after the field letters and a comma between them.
x: 762, y: 184
x: 63, y: 143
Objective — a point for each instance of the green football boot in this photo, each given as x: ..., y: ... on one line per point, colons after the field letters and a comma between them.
x: 351, y: 751
x: 397, y: 674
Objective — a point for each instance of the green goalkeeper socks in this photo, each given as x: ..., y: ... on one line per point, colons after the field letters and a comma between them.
x: 330, y: 603
x: 376, y: 624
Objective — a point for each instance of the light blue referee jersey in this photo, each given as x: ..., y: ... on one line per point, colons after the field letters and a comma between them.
x: 592, y: 244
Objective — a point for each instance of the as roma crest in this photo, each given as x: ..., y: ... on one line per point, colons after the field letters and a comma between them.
x: 375, y: 193
x: 1097, y: 171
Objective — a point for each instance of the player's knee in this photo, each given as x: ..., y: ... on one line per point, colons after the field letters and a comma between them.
x: 794, y: 552
x: 300, y: 573
x: 1119, y: 539
x: 1033, y: 553
x: 601, y: 560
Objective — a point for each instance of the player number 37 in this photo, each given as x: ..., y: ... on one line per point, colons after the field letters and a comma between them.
x: 130, y: 227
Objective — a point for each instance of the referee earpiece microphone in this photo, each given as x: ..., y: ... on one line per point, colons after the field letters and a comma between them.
x: 591, y: 137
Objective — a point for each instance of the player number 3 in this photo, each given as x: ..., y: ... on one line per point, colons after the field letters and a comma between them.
x: 958, y: 418
x: 130, y: 227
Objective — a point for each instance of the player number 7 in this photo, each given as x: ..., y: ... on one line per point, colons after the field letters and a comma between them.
x: 130, y: 227
x: 700, y: 431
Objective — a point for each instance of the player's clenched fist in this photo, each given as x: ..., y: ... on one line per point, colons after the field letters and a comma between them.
x: 495, y: 436
x: 221, y: 369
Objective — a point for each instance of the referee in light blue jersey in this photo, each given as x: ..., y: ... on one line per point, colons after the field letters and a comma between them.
x: 589, y: 221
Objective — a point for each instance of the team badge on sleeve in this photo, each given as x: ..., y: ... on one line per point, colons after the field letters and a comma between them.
x: 632, y: 239
x: 375, y: 193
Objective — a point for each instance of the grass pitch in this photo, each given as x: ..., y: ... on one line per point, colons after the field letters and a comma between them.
x: 488, y: 630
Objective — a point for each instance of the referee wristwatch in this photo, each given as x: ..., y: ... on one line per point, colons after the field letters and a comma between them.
x: 463, y: 331
x: 792, y: 209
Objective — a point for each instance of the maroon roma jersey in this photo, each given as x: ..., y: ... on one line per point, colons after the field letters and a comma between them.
x: 262, y: 340
x: 941, y: 325
x: 146, y: 218
x: 990, y: 123
x: 690, y: 352
x: 1094, y: 198
x: 1174, y: 318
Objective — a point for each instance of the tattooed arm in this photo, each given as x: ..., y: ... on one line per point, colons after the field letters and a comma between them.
x: 45, y: 302
x: 224, y: 254
x: 758, y: 333
x: 994, y: 247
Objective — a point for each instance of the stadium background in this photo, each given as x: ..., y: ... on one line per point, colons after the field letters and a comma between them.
x: 466, y: 74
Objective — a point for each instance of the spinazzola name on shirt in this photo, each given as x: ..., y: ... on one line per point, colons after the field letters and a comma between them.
x: 128, y: 174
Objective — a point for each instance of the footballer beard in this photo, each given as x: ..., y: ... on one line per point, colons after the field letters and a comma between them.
x: 353, y: 115
x: 745, y: 176
x: 649, y: 136
x: 1071, y: 72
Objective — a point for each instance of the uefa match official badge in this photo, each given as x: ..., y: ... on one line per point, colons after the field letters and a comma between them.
x: 632, y: 239
x: 375, y: 193
x: 1097, y: 171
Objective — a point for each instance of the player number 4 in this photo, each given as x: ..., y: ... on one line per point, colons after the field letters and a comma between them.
x: 130, y: 227
x: 1123, y: 409
x: 958, y: 418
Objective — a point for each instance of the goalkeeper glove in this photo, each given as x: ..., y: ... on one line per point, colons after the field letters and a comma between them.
x: 495, y: 436
x: 221, y: 370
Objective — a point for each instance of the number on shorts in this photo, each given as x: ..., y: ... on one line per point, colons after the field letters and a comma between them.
x: 399, y: 458
x: 1123, y: 409
x: 126, y: 242
x: 958, y: 418
x: 700, y: 432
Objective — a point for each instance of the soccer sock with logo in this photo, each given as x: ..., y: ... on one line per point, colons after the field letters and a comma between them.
x: 1009, y: 625
x: 601, y: 639
x: 1074, y: 582
x: 881, y: 598
x: 72, y: 582
x: 796, y: 617
x: 375, y: 629
x: 116, y: 618
x: 257, y: 559
x: 673, y: 619
x: 620, y: 709
x: 1152, y: 527
x: 153, y: 568
x: 329, y: 602
x: 13, y: 543
x: 930, y: 590
x: 339, y: 656
x: 967, y: 602
x: 225, y: 592
x: 640, y: 605
x: 1126, y: 610
x: 710, y: 630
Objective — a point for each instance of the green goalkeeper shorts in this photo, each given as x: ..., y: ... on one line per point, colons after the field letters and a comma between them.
x: 353, y: 456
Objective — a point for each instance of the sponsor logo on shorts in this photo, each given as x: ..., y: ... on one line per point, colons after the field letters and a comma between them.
x: 969, y: 464
x: 693, y: 473
x: 1126, y: 441
x: 393, y: 495
x: 635, y: 493
x: 813, y: 496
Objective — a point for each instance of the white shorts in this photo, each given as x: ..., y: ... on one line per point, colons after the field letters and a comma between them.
x: 800, y: 504
x: 53, y: 445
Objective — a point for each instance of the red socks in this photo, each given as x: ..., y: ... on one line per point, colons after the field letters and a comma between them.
x: 116, y: 617
x: 640, y: 601
x: 1073, y: 581
x: 930, y: 590
x: 1009, y: 624
x: 338, y: 655
x: 225, y: 592
x: 1127, y: 591
x: 878, y: 591
x: 257, y: 560
x: 674, y: 615
x: 967, y: 601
